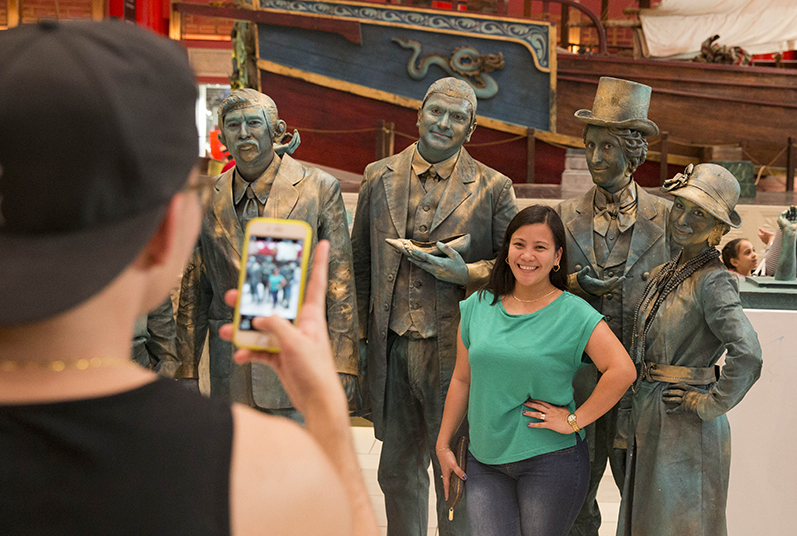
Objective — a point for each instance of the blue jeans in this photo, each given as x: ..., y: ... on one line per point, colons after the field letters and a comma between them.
x: 538, y: 496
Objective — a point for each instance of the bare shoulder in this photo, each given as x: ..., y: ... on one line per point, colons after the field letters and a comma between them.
x: 280, y: 479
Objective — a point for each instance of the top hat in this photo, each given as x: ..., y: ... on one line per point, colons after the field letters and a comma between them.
x: 620, y: 104
x: 712, y: 187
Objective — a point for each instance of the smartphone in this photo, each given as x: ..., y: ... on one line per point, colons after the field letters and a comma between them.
x: 272, y: 277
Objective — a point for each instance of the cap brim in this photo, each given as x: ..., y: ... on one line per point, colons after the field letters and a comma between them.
x: 43, y: 276
x: 700, y: 197
x: 645, y: 126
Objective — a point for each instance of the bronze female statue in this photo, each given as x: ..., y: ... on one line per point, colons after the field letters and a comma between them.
x: 678, y: 459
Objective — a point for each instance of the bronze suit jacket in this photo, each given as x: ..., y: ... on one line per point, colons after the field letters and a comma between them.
x: 650, y: 247
x: 478, y: 200
x: 298, y: 192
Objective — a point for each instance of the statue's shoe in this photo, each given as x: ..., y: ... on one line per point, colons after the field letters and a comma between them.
x: 459, y: 243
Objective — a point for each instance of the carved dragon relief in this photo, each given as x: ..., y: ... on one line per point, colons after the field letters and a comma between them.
x: 465, y: 63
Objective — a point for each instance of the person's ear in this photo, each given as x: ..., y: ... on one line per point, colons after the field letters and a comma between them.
x: 222, y: 139
x: 279, y: 131
x: 470, y: 130
x: 735, y: 262
x: 558, y: 257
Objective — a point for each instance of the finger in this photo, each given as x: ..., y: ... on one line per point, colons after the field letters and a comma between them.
x: 245, y: 355
x: 226, y: 332
x: 448, y: 250
x: 231, y: 296
x: 284, y: 331
x: 445, y: 478
x: 426, y: 266
x: 316, y: 294
x: 540, y: 405
x: 460, y: 473
x: 421, y: 256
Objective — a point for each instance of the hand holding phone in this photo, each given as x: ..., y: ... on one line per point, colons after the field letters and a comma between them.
x: 304, y: 362
x: 272, y: 277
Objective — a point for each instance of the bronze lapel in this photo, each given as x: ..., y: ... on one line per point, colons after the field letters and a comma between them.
x: 396, y: 182
x: 646, y: 231
x: 580, y: 227
x: 226, y: 222
x: 284, y: 195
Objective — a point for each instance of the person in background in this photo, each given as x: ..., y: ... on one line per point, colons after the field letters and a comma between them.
x: 739, y: 257
x: 521, y: 342
x: 101, y: 205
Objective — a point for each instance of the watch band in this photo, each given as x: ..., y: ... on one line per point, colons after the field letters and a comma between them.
x: 571, y: 420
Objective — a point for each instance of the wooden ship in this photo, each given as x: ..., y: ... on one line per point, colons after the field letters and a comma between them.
x: 351, y: 75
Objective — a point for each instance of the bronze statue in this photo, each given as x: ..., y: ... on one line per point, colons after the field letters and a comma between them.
x: 678, y: 460
x: 787, y: 261
x: 155, y: 341
x: 262, y: 184
x: 616, y: 234
x: 408, y: 299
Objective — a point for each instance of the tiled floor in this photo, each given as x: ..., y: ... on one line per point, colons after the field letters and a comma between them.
x: 368, y: 450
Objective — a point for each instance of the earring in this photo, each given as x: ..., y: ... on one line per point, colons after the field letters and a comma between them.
x: 556, y: 268
x: 506, y: 259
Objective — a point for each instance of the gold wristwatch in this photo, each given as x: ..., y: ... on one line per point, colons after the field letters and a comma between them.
x: 571, y: 420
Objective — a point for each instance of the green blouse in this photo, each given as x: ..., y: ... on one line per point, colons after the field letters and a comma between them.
x: 516, y: 357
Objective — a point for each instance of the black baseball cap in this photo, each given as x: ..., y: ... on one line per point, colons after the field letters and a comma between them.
x: 97, y: 134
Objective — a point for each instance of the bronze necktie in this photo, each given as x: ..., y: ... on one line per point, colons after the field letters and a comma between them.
x: 429, y: 178
x: 250, y: 207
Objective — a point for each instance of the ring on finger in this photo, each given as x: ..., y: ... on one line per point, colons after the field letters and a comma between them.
x: 542, y: 416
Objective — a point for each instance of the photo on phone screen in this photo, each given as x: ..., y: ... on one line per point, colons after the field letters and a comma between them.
x: 273, y: 279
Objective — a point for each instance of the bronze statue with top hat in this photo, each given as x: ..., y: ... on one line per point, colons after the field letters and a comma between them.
x: 679, y: 445
x: 616, y: 234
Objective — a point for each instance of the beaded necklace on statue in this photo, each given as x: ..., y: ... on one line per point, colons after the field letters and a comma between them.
x: 658, y: 288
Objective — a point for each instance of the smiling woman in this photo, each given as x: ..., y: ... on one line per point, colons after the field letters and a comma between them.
x: 521, y: 342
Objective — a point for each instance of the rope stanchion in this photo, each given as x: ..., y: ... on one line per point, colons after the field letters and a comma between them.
x: 499, y: 142
x: 319, y: 131
x: 767, y: 166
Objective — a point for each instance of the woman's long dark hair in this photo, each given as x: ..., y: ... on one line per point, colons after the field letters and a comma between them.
x: 502, y: 281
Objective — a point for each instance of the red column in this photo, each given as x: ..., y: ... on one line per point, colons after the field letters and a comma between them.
x: 153, y: 14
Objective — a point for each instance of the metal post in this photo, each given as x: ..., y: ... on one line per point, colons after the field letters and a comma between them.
x: 604, y: 10
x: 564, y: 31
x: 664, y: 154
x: 390, y: 139
x: 530, y: 155
x: 380, y: 139
x: 791, y: 162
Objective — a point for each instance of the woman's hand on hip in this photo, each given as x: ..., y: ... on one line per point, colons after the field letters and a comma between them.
x: 448, y: 463
x: 548, y: 416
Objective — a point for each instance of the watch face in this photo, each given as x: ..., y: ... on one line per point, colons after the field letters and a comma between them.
x: 571, y: 418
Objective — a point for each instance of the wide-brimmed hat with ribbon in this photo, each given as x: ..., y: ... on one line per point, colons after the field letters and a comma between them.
x: 620, y: 104
x: 712, y: 187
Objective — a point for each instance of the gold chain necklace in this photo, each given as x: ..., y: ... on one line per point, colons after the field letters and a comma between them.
x: 58, y: 365
x: 535, y: 299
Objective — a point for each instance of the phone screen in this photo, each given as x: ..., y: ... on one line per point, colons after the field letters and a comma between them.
x: 273, y: 279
